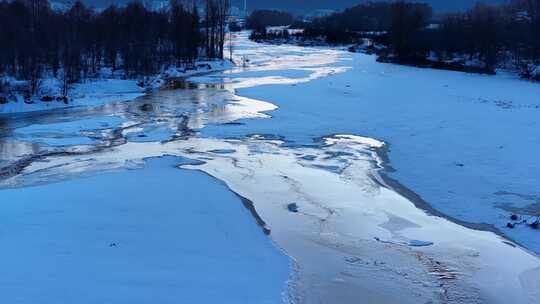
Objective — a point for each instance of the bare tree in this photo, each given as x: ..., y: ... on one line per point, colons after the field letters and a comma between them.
x: 231, y: 45
x: 75, y: 44
x: 217, y: 13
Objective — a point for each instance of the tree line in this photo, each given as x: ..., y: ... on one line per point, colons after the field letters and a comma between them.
x: 260, y: 19
x: 507, y: 35
x: 37, y: 41
x: 489, y: 36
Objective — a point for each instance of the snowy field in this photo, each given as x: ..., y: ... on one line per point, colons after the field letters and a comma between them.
x: 133, y: 198
x: 137, y: 236
x: 465, y: 143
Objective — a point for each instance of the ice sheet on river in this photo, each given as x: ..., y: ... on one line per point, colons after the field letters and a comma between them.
x: 467, y: 144
x: 158, y: 235
x: 344, y: 213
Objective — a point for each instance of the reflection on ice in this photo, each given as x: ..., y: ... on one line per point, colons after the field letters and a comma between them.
x: 161, y: 116
x: 12, y: 149
x: 74, y: 132
x: 168, y: 114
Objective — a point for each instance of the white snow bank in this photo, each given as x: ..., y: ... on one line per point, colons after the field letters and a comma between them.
x: 89, y: 93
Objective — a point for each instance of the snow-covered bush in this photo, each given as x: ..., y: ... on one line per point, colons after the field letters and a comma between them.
x: 535, y: 74
x: 530, y: 71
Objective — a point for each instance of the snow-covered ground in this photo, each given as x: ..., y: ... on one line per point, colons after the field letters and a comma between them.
x: 94, y: 92
x: 465, y: 143
x: 158, y: 235
x: 347, y: 232
x: 352, y: 235
x: 90, y: 93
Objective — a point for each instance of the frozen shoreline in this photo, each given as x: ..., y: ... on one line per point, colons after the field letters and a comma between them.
x: 100, y: 91
x: 385, y: 179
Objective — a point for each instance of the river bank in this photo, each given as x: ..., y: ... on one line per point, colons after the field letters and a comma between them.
x: 106, y: 87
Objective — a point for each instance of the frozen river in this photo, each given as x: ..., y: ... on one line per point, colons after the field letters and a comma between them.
x: 270, y: 183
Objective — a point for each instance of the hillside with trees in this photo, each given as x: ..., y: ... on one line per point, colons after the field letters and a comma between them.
x: 481, y: 39
x: 39, y: 42
x: 486, y: 37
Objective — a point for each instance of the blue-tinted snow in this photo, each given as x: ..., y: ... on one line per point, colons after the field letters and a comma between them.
x: 137, y: 236
x: 69, y: 132
x: 459, y: 140
x: 464, y: 142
